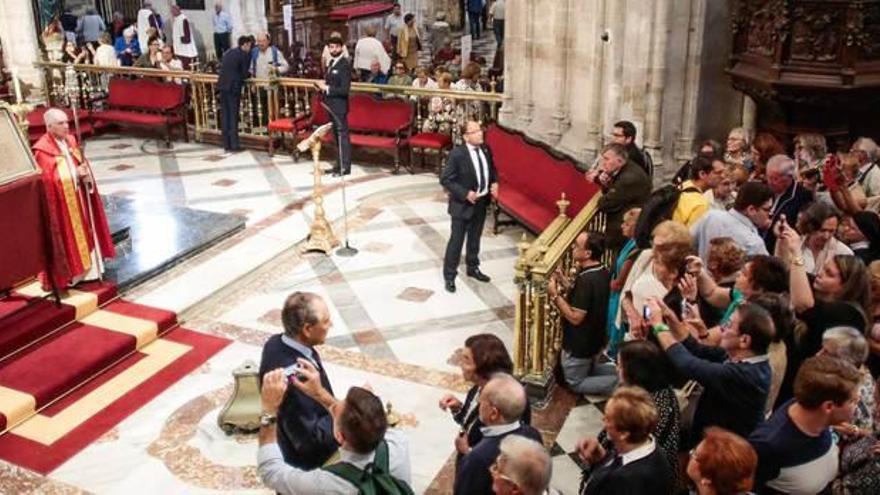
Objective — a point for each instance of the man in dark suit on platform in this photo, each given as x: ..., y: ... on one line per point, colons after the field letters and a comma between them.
x: 469, y: 178
x: 233, y: 71
x: 305, y: 427
x: 336, y: 86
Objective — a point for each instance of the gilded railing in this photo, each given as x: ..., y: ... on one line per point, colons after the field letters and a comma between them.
x: 435, y: 110
x: 537, y: 336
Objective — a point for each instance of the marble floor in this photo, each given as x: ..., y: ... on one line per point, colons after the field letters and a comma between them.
x: 394, y: 326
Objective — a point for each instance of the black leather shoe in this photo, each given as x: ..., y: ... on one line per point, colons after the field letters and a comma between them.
x: 477, y: 274
x: 450, y: 286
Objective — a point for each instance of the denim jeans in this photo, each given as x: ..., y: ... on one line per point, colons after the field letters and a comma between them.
x: 476, y: 24
x: 498, y: 28
x: 588, y: 376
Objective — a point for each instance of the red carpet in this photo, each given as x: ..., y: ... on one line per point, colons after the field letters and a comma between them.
x: 64, y: 381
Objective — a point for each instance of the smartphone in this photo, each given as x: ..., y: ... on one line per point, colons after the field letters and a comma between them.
x: 294, y: 370
x: 646, y: 312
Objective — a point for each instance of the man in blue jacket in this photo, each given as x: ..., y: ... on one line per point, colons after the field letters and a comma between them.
x: 234, y: 69
x: 305, y: 426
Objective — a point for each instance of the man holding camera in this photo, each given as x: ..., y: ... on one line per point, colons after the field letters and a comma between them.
x: 370, y: 453
x: 305, y: 425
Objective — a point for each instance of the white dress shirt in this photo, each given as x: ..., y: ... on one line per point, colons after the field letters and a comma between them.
x: 475, y: 152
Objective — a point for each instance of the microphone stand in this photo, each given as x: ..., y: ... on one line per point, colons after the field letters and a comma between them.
x: 345, y: 250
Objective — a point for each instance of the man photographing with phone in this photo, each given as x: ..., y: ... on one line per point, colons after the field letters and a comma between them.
x: 371, y: 455
x: 305, y: 425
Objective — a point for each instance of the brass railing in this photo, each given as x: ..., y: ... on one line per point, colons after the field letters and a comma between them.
x: 276, y: 97
x: 537, y: 336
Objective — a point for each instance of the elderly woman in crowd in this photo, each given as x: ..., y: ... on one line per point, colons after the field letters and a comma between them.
x: 736, y: 150
x: 722, y: 464
x: 643, y: 364
x: 127, y: 48
x: 818, y: 225
x: 483, y: 355
x: 441, y: 111
x: 657, y: 271
x: 105, y: 54
x: 809, y: 150
x: 630, y: 417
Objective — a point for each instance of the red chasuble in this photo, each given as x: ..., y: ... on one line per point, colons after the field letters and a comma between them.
x: 72, y: 237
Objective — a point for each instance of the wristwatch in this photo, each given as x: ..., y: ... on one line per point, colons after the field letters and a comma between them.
x: 660, y: 328
x: 798, y: 261
x: 267, y: 419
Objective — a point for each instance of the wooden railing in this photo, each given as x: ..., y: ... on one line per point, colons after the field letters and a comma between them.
x: 275, y: 97
x: 537, y: 336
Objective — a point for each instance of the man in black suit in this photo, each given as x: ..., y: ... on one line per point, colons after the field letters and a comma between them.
x: 638, y: 465
x: 305, y: 427
x: 234, y: 69
x: 336, y: 86
x: 469, y: 178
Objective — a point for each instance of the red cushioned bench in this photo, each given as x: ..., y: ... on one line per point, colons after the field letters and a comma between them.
x: 145, y: 103
x: 531, y: 179
x: 373, y: 123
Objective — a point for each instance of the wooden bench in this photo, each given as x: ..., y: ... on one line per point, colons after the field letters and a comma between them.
x: 531, y: 179
x: 145, y: 103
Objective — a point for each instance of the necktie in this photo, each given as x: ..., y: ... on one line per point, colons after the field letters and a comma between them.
x: 481, y: 180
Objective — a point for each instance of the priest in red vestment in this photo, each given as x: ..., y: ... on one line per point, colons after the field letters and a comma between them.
x: 80, y: 236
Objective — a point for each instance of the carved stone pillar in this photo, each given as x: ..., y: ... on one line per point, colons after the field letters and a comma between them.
x: 517, y: 65
x: 549, y: 82
x: 586, y: 25
x: 657, y: 68
x: 685, y: 142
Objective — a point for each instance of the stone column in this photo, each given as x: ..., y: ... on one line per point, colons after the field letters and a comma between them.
x: 551, y: 45
x: 18, y: 33
x: 749, y: 114
x: 657, y: 74
x: 586, y: 25
x: 685, y: 142
x: 517, y: 65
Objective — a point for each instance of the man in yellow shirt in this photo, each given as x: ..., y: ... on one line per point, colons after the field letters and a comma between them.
x: 706, y: 173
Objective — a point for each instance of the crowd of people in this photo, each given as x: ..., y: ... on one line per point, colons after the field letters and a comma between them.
x: 733, y: 337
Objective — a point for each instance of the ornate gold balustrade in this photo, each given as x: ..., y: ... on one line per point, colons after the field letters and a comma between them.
x: 276, y: 97
x: 537, y: 337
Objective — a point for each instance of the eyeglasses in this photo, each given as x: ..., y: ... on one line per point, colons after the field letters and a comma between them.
x: 495, y: 471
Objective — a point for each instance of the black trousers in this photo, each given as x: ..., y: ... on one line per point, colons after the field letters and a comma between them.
x: 221, y: 44
x: 343, y: 140
x: 470, y: 230
x: 229, y: 108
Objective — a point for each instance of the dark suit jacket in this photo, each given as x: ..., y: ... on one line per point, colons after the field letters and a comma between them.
x: 305, y: 427
x: 648, y: 475
x: 234, y: 69
x: 790, y: 204
x: 459, y: 177
x: 472, y: 475
x: 338, y: 80
x: 629, y: 189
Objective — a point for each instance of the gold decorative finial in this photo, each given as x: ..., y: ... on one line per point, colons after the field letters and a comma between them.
x: 562, y: 204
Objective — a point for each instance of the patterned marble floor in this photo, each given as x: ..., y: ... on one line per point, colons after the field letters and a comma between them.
x: 394, y: 325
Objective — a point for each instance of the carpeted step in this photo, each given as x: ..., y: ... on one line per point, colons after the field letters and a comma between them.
x: 26, y: 316
x: 41, y: 373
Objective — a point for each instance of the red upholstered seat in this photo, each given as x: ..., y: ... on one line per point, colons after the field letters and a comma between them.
x: 138, y: 118
x: 519, y: 163
x: 146, y: 103
x: 433, y: 140
x: 281, y: 125
x: 371, y: 141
